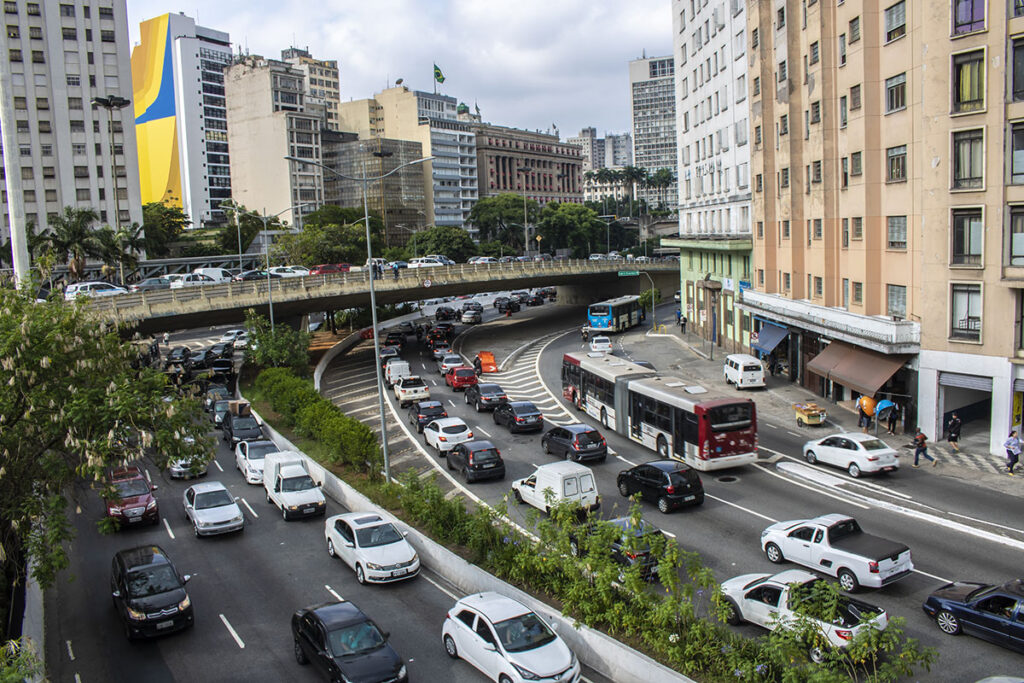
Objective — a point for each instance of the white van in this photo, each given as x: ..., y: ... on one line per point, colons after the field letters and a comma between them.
x: 289, y: 486
x: 567, y: 481
x: 743, y: 370
x: 395, y: 370
x: 215, y: 274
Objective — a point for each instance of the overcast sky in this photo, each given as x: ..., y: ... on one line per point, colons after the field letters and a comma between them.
x: 526, y: 63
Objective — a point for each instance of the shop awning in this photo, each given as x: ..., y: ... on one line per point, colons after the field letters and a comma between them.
x: 856, y: 368
x: 769, y: 337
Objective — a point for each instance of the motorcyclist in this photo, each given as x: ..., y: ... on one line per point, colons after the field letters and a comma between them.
x: 585, y: 333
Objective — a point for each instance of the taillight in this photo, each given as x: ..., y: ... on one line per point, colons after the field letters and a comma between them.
x: 470, y: 460
x: 670, y: 489
x: 442, y: 438
x: 576, y: 445
x: 539, y: 416
x: 632, y: 556
x: 705, y: 449
x: 873, y: 567
x: 518, y: 419
x: 422, y: 417
x: 470, y: 435
x: 872, y: 458
x: 603, y: 442
x: 845, y: 635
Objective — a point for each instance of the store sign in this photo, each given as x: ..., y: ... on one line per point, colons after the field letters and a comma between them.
x: 727, y: 284
x: 745, y: 284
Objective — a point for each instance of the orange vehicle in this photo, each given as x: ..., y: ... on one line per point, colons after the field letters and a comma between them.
x: 486, y: 362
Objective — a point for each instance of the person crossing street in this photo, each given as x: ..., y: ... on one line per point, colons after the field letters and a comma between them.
x: 921, y: 448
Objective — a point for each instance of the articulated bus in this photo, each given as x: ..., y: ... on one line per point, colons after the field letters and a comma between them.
x: 679, y: 420
x: 614, y: 315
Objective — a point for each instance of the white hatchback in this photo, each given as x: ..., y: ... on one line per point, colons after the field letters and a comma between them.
x: 444, y: 434
x: 507, y: 641
x: 856, y: 453
x: 601, y: 345
x: 375, y: 550
x: 91, y: 289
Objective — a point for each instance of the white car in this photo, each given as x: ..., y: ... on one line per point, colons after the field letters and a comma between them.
x: 677, y: 296
x: 230, y: 336
x: 91, y: 289
x: 249, y: 457
x: 767, y: 601
x: 190, y: 280
x: 285, y: 271
x: 211, y: 509
x: 597, y: 257
x: 601, y: 344
x: 425, y: 263
x: 302, y: 271
x: 506, y: 641
x: 409, y: 389
x: 242, y: 340
x: 375, y: 550
x: 443, y: 435
x: 854, y: 452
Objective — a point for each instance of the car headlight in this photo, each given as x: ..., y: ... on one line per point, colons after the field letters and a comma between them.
x: 252, y: 470
x: 375, y: 567
x: 526, y: 673
x: 293, y: 507
x: 151, y: 504
x: 415, y: 557
x: 236, y: 519
x: 201, y: 523
x: 184, y: 604
x: 136, y: 614
x: 402, y: 672
x: 115, y: 510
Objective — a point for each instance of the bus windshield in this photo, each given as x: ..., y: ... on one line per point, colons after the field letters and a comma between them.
x: 599, y: 309
x: 729, y: 418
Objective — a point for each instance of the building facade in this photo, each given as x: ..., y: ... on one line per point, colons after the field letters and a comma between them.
x: 598, y: 186
x: 321, y: 80
x: 593, y: 148
x: 269, y: 118
x: 653, y: 98
x: 538, y: 165
x: 60, y: 150
x: 618, y: 150
x: 181, y: 116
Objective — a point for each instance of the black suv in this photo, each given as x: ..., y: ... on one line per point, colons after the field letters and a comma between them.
x: 422, y: 413
x: 222, y: 350
x: 575, y: 442
x: 485, y: 395
x: 668, y: 483
x: 519, y: 416
x: 179, y: 355
x: 444, y: 313
x: 499, y: 300
x: 476, y: 460
x: 509, y: 305
x: 629, y: 545
x: 240, y: 428
x: 345, y: 645
x: 149, y: 594
x: 396, y: 339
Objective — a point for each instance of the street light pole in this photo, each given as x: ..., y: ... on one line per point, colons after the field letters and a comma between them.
x: 238, y: 229
x: 266, y: 248
x: 110, y: 104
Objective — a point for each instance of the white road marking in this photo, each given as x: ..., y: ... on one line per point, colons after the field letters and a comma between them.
x: 628, y: 462
x: 434, y: 382
x: 251, y: 511
x: 453, y: 403
x: 740, y: 507
x: 983, y: 521
x: 71, y: 653
x: 231, y: 630
x: 817, y: 490
x: 483, y: 431
x: 769, y: 424
x: 218, y: 465
x: 78, y: 679
x: 168, y: 527
x: 932, y: 576
x: 334, y: 593
x: 423, y: 365
x: 792, y: 433
x: 438, y: 586
x: 148, y: 478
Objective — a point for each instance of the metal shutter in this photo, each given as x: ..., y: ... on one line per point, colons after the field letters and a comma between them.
x: 955, y: 379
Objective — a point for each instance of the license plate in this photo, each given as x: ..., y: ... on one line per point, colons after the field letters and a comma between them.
x: 489, y: 465
x: 400, y: 572
x: 689, y: 498
x: 531, y: 419
x: 308, y: 511
x: 164, y: 624
x: 131, y: 520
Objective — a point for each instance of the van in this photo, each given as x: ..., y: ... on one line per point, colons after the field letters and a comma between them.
x: 395, y: 370
x: 289, y: 486
x: 216, y: 274
x: 744, y: 371
x: 567, y: 481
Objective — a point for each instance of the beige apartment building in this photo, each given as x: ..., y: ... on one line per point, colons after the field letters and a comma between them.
x: 888, y: 164
x: 321, y: 81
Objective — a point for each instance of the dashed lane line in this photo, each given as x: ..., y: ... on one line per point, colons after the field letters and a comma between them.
x: 218, y: 465
x: 740, y: 507
x: 231, y: 630
x: 628, y: 462
x: 168, y: 527
x: 334, y: 593
x: 483, y: 431
x: 438, y: 586
x: 249, y: 507
x: 815, y: 489
x: 71, y: 653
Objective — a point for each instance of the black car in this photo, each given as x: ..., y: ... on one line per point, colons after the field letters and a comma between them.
x: 668, y: 483
x: 992, y: 613
x: 473, y: 306
x: 630, y: 545
x: 223, y: 366
x: 345, y: 645
x: 220, y: 410
x: 215, y: 392
x: 396, y: 339
x: 519, y: 416
x: 256, y: 275
x: 550, y: 293
x: 201, y: 359
x: 448, y: 329
x: 222, y: 350
x: 521, y: 297
x: 149, y: 594
x: 444, y: 313
x: 179, y: 355
x: 487, y: 395
x: 422, y: 413
x: 240, y: 428
x: 499, y: 300
x: 535, y: 300
x: 477, y: 460
x: 509, y: 305
x: 577, y: 442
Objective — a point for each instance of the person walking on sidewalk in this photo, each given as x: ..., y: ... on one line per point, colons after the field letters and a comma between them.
x: 921, y: 448
x: 1012, y: 446
x: 953, y: 428
x: 894, y: 419
x: 682, y: 325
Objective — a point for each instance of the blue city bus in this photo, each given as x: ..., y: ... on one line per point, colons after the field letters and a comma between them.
x: 614, y: 315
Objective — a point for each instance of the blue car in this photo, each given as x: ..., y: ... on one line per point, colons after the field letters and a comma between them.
x: 992, y: 613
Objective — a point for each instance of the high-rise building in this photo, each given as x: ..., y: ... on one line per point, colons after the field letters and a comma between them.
x: 450, y: 180
x: 181, y: 116
x: 322, y: 81
x: 538, y: 165
x: 888, y: 195
x: 62, y: 147
x: 653, y: 98
x: 269, y: 118
x: 592, y: 146
x: 618, y: 150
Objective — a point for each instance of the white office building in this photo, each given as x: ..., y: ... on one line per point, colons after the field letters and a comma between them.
x: 653, y: 90
x: 618, y: 150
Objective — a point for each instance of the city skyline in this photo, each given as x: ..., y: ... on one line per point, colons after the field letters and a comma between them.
x: 519, y: 77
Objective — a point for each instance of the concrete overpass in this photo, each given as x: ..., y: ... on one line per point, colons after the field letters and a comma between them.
x: 577, y: 282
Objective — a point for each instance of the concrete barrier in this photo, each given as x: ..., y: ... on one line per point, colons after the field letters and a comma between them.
x: 33, y: 625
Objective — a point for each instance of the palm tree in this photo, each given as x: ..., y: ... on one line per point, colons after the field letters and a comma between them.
x: 634, y: 175
x: 72, y: 239
x: 132, y: 241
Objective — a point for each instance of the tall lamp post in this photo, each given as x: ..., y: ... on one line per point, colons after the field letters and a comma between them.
x: 526, y: 231
x: 607, y: 232
x: 366, y: 180
x: 110, y: 104
x: 230, y: 204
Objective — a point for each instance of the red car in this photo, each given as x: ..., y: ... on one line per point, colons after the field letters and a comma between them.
x: 134, y: 503
x: 460, y: 377
x: 324, y: 269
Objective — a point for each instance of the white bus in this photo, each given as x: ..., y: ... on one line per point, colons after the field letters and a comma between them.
x: 589, y: 382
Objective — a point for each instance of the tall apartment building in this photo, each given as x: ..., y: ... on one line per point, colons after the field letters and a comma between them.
x: 592, y: 147
x: 450, y: 180
x: 538, y: 165
x: 888, y: 196
x: 268, y: 118
x: 653, y: 97
x: 618, y: 150
x: 181, y: 116
x: 59, y: 149
x: 322, y: 82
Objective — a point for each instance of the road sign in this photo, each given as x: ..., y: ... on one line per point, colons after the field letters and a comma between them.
x: 427, y: 283
x: 628, y: 273
x: 754, y: 338
x: 539, y: 238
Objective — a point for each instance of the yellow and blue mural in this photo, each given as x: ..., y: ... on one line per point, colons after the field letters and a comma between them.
x: 155, y: 122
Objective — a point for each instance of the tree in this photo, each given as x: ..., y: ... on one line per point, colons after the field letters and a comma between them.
x: 120, y: 247
x: 649, y: 297
x: 72, y: 406
x: 280, y: 347
x: 72, y: 239
x: 162, y: 223
x: 455, y: 243
x: 248, y: 226
x: 662, y: 179
x: 570, y: 226
x: 634, y: 176
x: 325, y: 243
x: 501, y: 218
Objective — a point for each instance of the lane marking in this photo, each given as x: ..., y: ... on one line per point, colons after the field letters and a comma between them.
x: 148, y: 478
x: 628, y: 462
x: 740, y: 507
x: 438, y: 586
x: 334, y: 593
x: 168, y: 527
x: 931, y: 576
x: 453, y: 403
x: 218, y: 465
x: 983, y: 521
x: 78, y: 679
x: 792, y: 433
x: 251, y: 511
x: 231, y: 630
x: 71, y: 653
x: 434, y: 382
x: 817, y: 490
x: 423, y: 365
x: 483, y: 431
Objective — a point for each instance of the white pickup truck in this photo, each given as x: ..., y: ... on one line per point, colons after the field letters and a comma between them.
x: 289, y: 486
x: 410, y: 389
x: 836, y: 545
x: 774, y: 602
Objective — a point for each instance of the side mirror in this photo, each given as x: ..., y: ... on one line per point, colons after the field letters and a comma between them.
x: 116, y: 594
x: 490, y: 647
x: 152, y: 487
x: 277, y: 488
x: 405, y: 533
x: 237, y: 499
x: 186, y: 578
x: 387, y: 634
x: 350, y: 544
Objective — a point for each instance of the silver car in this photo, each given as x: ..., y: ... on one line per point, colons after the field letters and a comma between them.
x: 449, y: 361
x: 212, y: 509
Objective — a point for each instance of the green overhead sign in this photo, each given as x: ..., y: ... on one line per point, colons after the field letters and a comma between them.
x: 628, y: 273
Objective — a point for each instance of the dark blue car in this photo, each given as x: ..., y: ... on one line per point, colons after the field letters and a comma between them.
x: 422, y: 413
x: 992, y: 613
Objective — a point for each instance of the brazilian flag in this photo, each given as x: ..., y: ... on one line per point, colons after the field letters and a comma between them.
x: 438, y: 76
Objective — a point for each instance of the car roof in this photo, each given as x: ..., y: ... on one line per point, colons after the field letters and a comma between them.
x: 522, y: 404
x: 448, y: 421
x: 337, y: 614
x: 857, y: 436
x: 792, y: 576
x: 1016, y: 586
x: 477, y: 445
x: 207, y: 486
x: 669, y: 465
x: 362, y: 519
x: 579, y: 428
x: 429, y: 404
x: 452, y: 355
x: 128, y: 472
x: 143, y: 556
x: 489, y: 386
x: 495, y: 606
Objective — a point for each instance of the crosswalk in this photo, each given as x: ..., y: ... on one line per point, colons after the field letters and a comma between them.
x: 983, y: 462
x: 521, y: 381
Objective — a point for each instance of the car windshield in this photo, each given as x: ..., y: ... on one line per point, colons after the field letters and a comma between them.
x: 602, y: 341
x: 292, y: 484
x: 752, y: 368
x: 258, y: 451
x: 730, y: 417
x: 130, y: 488
x: 355, y: 639
x: 412, y: 382
x: 491, y: 390
x: 485, y: 455
x: 221, y: 406
x: 152, y: 581
x: 874, y: 445
x: 213, y: 499
x: 453, y: 429
x: 522, y: 633
x: 219, y: 391
x: 843, y: 529
x: 452, y: 358
x: 244, y: 423
x: 373, y: 536
x: 525, y: 409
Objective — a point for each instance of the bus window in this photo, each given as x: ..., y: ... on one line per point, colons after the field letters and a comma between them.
x: 690, y: 428
x: 730, y: 417
x: 599, y: 309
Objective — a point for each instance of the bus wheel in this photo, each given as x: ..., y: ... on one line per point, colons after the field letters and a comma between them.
x: 662, y: 447
x: 604, y: 418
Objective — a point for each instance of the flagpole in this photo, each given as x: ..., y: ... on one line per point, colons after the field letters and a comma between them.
x: 433, y: 77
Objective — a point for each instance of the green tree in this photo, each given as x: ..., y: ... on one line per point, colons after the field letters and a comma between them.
x: 344, y: 215
x: 325, y: 243
x: 162, y: 224
x: 633, y: 176
x: 71, y: 406
x: 248, y: 226
x: 280, y: 347
x: 18, y: 662
x: 72, y: 239
x: 501, y: 218
x: 648, y: 296
x: 120, y: 247
x: 455, y: 243
x: 570, y: 226
x: 662, y: 179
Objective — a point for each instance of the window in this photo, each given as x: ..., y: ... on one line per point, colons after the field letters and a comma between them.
x: 856, y: 163
x: 780, y: 18
x: 757, y: 85
x: 757, y: 135
x: 896, y: 93
x: 897, y: 230
x: 816, y: 171
x: 760, y: 276
x: 67, y: 10
x: 14, y: 55
x: 73, y: 80
x: 858, y: 292
x: 855, y: 98
x: 968, y: 82
x: 1017, y: 235
x: 784, y: 177
x: 32, y: 9
x: 107, y: 36
x: 1018, y: 8
x: 968, y: 156
x: 896, y: 168
x: 760, y: 228
x: 74, y: 103
x: 896, y: 21
x: 897, y: 300
x: 10, y: 7
x: 785, y: 230
x: 842, y: 111
x: 1018, y: 69
x: 818, y: 286
x: 38, y: 57
x: 786, y: 282
x: 782, y: 71
x: 842, y: 49
x: 42, y: 103
x: 967, y: 237
x: 12, y: 31
x: 69, y: 33
x: 783, y: 125
x: 1017, y: 153
x: 815, y: 112
x: 854, y: 30
x: 817, y: 229
x: 844, y: 173
x: 753, y: 38
x: 968, y: 16
x: 77, y: 126
x: 758, y: 182
x: 814, y: 52
x: 846, y: 233
x: 858, y: 227
x: 965, y: 312
x: 82, y: 194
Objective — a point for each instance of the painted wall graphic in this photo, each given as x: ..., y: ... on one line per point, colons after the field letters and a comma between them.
x: 155, y: 121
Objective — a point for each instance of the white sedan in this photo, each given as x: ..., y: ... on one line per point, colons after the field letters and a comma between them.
x: 230, y: 336
x: 601, y: 345
x: 425, y: 263
x: 285, y: 271
x: 375, y: 550
x: 854, y: 452
x: 444, y: 434
x: 249, y: 457
x: 506, y: 641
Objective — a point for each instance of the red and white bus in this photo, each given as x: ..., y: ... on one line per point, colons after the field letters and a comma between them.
x: 679, y: 420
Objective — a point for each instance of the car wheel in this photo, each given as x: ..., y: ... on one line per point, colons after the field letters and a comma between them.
x: 948, y: 623
x: 504, y: 679
x: 284, y: 513
x: 449, y: 647
x: 195, y: 530
x: 465, y: 397
x: 810, y: 457
x: 732, y: 614
x: 300, y: 656
x: 662, y: 447
x: 774, y: 554
x: 853, y: 470
x: 268, y: 498
x: 624, y: 489
x: 847, y: 581
x: 128, y: 632
x: 663, y: 505
x: 465, y: 474
x: 448, y: 463
x: 478, y: 408
x: 440, y: 453
x: 494, y: 416
x: 330, y: 548
x: 546, y: 446
x: 518, y: 496
x: 360, y: 576
x: 816, y: 654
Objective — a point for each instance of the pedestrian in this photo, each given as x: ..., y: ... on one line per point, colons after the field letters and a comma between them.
x: 167, y: 338
x: 679, y: 317
x: 954, y: 432
x: 864, y: 405
x: 394, y: 269
x: 682, y: 324
x: 921, y: 448
x: 894, y: 418
x: 1012, y: 446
